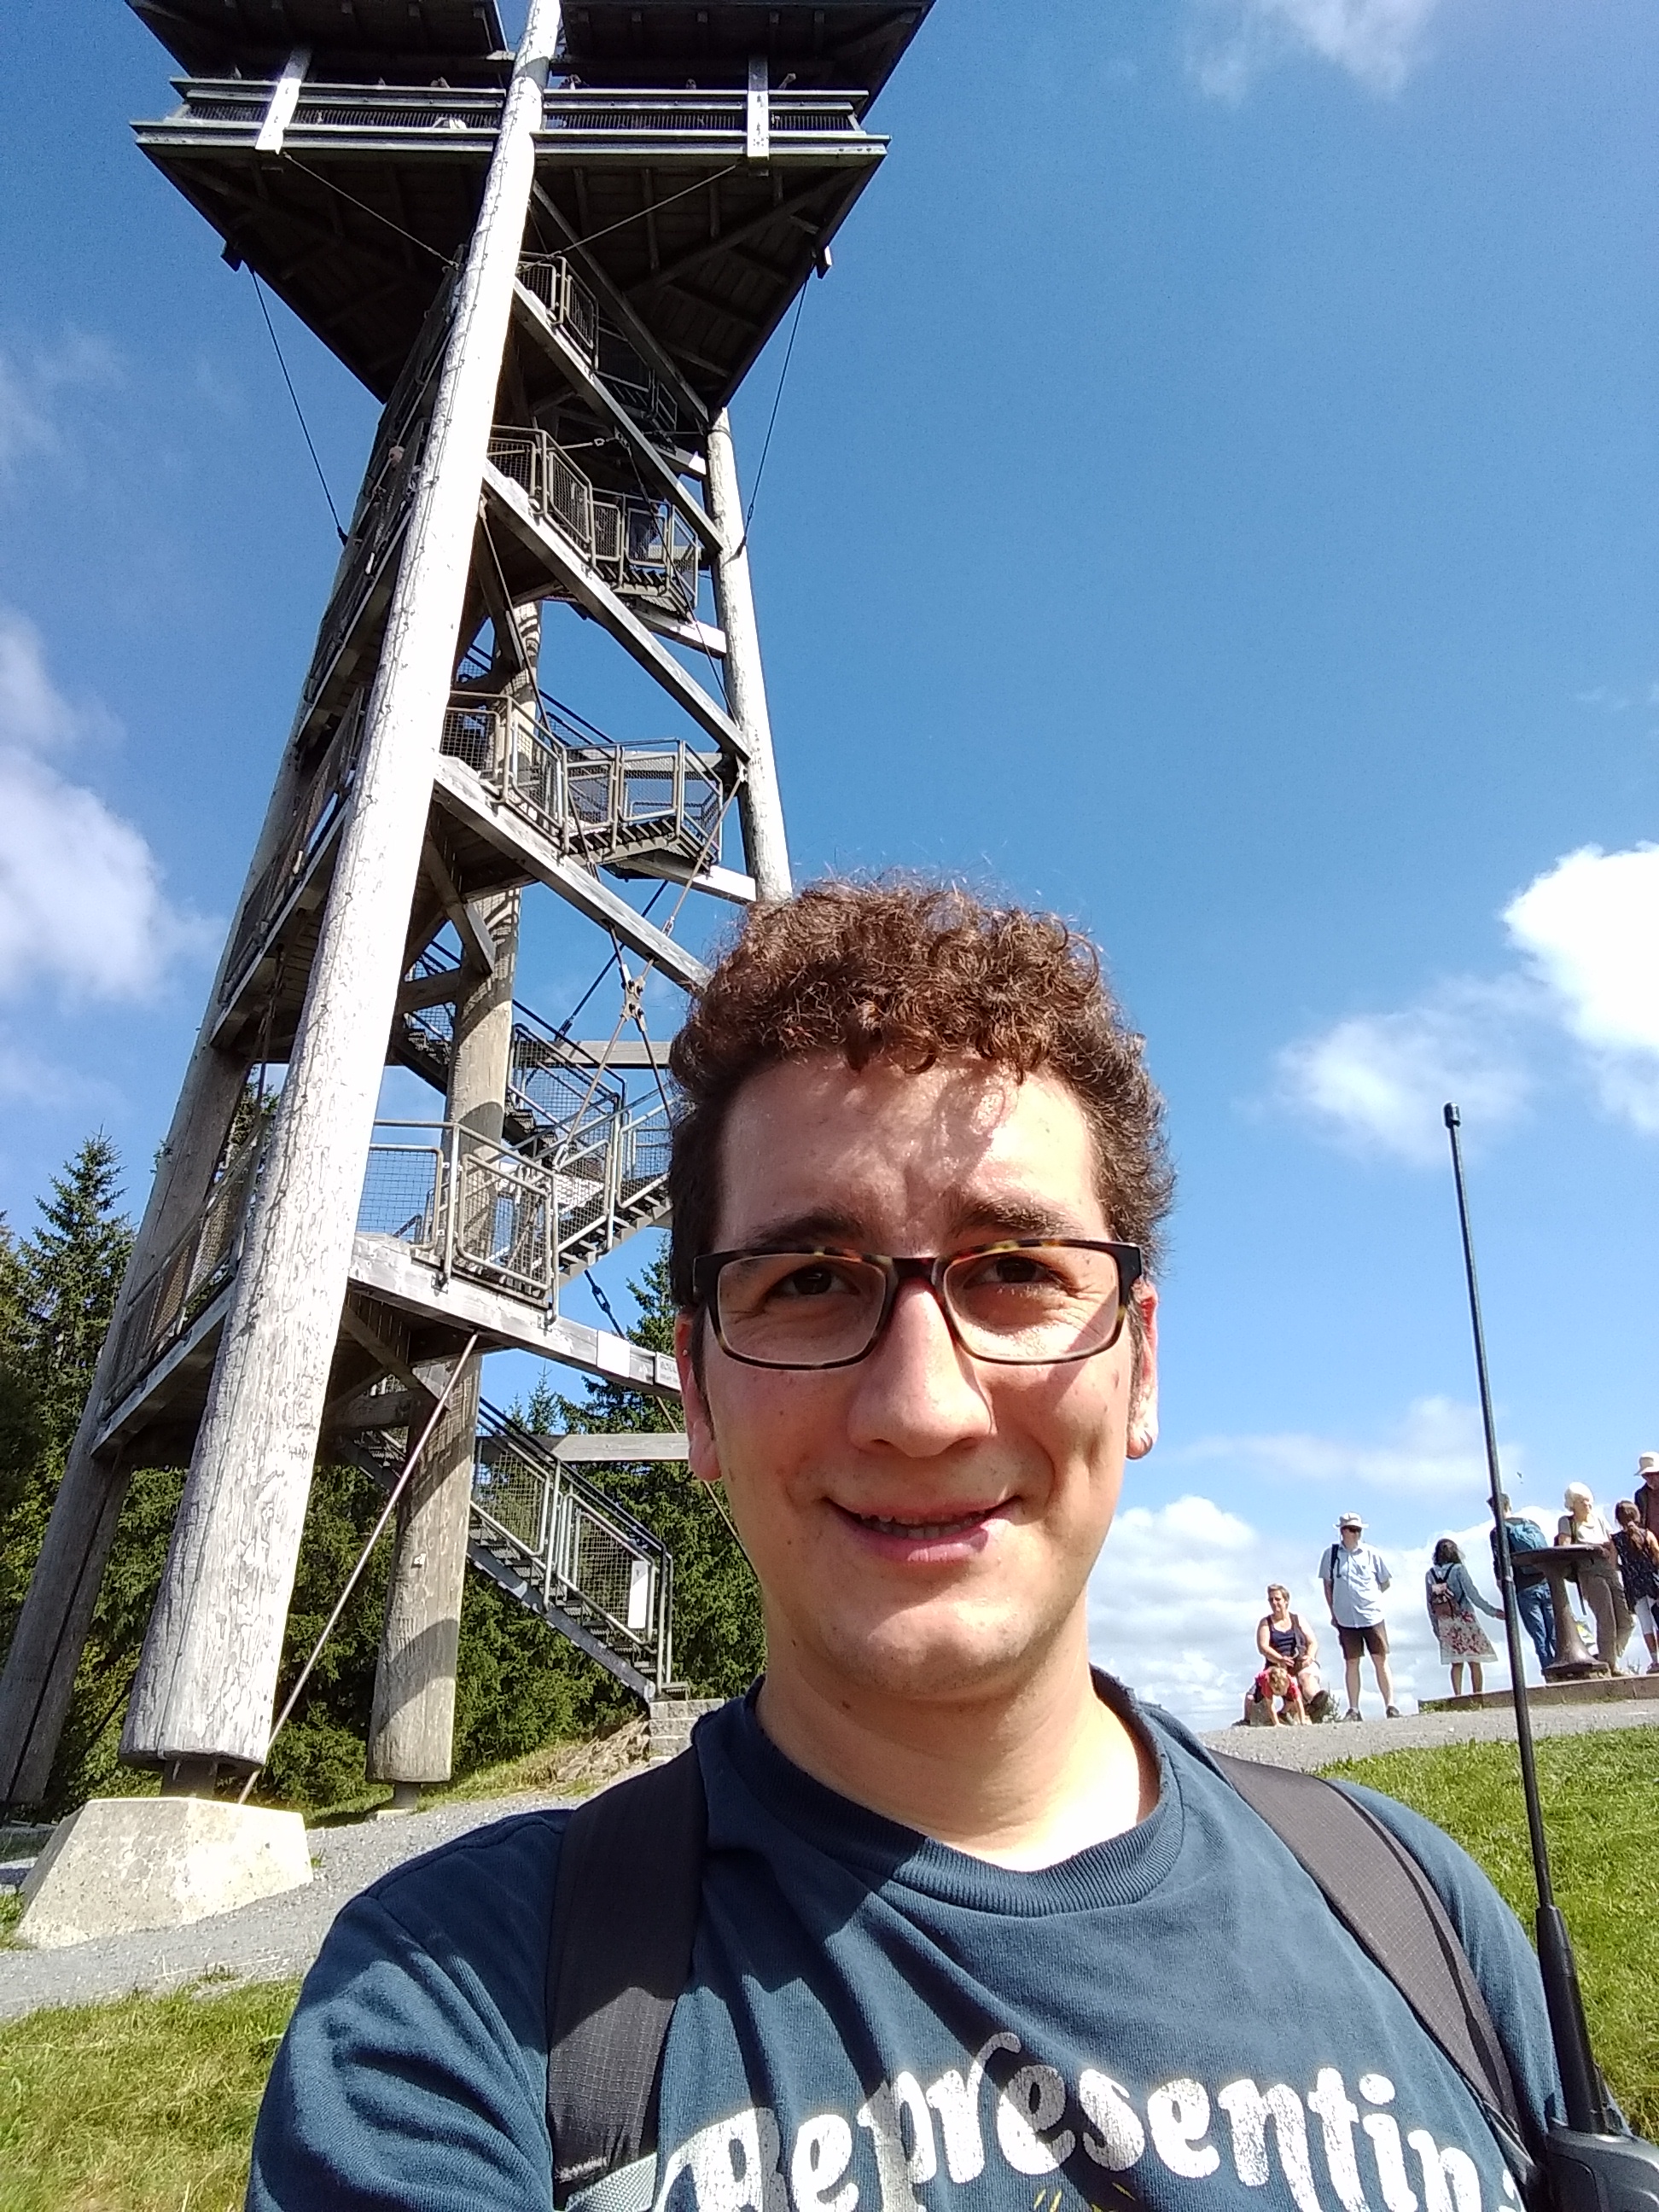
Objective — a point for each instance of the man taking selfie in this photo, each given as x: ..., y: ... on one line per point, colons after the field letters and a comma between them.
x: 975, y: 1929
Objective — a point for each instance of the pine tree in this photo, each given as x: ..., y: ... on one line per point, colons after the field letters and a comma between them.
x: 72, y: 1270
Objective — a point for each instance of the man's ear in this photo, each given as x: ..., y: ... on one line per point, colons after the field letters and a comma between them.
x: 1142, y: 1408
x: 701, y: 1450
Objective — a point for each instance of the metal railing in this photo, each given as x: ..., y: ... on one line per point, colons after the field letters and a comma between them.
x: 575, y: 309
x: 698, y: 113
x: 241, y: 103
x: 464, y: 1204
x: 554, y: 1097
x: 194, y: 1271
x: 600, y: 803
x: 644, y: 549
x: 611, y: 1185
x: 587, y: 1555
x: 520, y: 1219
x: 315, y: 816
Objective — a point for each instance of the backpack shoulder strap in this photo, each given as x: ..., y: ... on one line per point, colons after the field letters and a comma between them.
x: 1381, y: 1896
x: 624, y: 1919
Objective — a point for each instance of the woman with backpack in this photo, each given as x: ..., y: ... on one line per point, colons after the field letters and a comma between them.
x: 1452, y: 1601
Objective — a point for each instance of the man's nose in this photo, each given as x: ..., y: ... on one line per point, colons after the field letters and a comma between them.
x: 918, y: 1392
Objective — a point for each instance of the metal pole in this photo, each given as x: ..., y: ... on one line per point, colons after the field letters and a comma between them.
x: 1580, y: 2084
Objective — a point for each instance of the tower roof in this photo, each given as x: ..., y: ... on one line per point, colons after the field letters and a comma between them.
x: 825, y: 45
x: 352, y: 41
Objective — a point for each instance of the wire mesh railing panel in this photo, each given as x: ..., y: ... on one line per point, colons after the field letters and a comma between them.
x: 566, y: 1103
x: 504, y: 1224
x: 470, y: 734
x: 515, y: 454
x: 568, y: 301
x: 195, y: 1269
x: 642, y: 1151
x: 403, y: 1184
x: 515, y: 1494
x: 601, y: 1567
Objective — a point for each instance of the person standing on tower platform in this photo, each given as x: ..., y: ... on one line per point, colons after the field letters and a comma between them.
x: 1355, y: 1577
x: 975, y: 1926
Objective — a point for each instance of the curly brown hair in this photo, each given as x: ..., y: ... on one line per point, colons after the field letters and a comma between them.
x: 913, y: 973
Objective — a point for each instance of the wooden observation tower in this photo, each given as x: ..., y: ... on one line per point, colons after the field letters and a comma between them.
x: 554, y: 267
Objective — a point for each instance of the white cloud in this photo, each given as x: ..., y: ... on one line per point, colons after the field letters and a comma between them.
x: 1437, y: 1450
x: 1377, y: 42
x: 30, y: 389
x: 1378, y: 1082
x: 81, y: 898
x: 1589, y: 928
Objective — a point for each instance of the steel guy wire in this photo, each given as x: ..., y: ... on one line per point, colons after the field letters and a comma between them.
x: 259, y: 294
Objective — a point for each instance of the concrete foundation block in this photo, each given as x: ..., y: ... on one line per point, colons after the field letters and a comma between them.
x: 126, y: 1862
x: 671, y: 1721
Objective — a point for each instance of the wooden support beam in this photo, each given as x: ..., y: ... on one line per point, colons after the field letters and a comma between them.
x: 760, y: 806
x: 637, y: 331
x: 284, y: 99
x: 46, y: 1644
x: 207, y: 1678
x: 551, y: 341
x: 467, y: 915
x: 412, y: 1725
x: 541, y: 858
x: 684, y: 263
x: 389, y: 1347
x: 416, y: 992
x: 511, y: 504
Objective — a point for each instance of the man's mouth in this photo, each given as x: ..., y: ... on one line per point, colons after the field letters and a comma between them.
x: 923, y: 1532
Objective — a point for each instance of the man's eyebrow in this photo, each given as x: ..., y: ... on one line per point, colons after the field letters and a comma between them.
x: 1015, y: 1216
x: 819, y: 1224
x: 992, y: 1218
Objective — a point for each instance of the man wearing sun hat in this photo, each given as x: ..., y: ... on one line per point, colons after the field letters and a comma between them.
x: 1647, y: 1492
x: 1355, y: 1577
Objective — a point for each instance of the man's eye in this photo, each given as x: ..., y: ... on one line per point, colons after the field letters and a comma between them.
x: 1000, y: 1270
x: 820, y: 1280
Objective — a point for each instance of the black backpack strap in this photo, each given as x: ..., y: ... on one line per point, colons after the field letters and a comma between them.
x: 1381, y: 1896
x: 624, y: 1919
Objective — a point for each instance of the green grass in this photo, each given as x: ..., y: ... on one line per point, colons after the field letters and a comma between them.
x: 147, y: 2105
x: 11, y: 1912
x: 1600, y: 1797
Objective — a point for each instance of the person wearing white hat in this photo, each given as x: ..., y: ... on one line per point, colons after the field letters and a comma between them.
x: 1647, y: 1492
x: 1355, y: 1577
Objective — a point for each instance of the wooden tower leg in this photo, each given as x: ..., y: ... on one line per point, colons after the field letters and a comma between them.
x: 760, y: 807
x: 208, y: 1674
x: 46, y: 1645
x: 412, y: 1725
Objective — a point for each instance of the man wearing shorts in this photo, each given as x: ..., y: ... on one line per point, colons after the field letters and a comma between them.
x: 1355, y: 1577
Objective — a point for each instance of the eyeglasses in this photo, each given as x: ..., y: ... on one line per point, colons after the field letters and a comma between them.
x: 1021, y: 1303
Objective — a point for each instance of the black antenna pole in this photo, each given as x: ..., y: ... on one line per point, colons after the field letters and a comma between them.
x: 1580, y: 2085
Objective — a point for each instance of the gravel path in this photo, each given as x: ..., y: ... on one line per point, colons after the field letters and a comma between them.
x: 266, y: 1943
x: 281, y: 1935
x: 1315, y: 1748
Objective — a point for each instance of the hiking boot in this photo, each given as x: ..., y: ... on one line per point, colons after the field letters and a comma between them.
x: 1392, y: 1713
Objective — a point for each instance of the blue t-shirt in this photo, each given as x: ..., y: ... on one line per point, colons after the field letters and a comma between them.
x: 1172, y: 2018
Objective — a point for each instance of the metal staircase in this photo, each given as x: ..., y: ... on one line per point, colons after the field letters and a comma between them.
x: 556, y: 1543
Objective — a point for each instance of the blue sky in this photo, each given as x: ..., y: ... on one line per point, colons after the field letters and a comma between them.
x: 1214, y: 496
